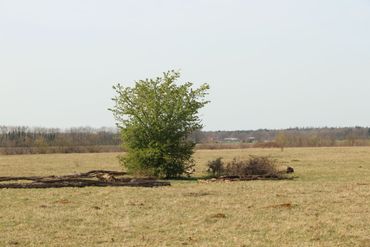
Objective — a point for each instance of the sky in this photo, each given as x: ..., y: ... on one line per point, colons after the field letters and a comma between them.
x: 270, y: 64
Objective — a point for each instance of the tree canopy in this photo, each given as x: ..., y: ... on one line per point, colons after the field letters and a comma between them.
x: 155, y: 118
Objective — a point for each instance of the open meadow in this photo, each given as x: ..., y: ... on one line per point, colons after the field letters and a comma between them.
x: 327, y: 204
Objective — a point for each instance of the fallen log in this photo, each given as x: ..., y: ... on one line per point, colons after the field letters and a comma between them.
x: 91, y: 178
x: 89, y: 174
x: 82, y: 184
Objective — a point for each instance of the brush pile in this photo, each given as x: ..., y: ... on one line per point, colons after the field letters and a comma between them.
x: 254, y: 168
x: 98, y: 178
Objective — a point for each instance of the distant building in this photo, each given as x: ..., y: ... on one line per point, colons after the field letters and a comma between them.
x: 231, y: 139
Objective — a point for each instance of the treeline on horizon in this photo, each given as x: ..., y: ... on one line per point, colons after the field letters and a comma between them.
x: 26, y: 140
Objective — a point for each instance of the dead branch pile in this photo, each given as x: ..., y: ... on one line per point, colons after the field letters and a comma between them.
x: 98, y: 178
x: 227, y: 179
x: 254, y: 168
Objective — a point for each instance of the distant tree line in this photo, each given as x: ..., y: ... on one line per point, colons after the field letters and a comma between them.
x: 19, y: 140
x: 23, y: 140
x: 293, y: 137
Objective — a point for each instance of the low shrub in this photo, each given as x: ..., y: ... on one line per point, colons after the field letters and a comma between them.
x: 255, y: 165
x: 216, y: 167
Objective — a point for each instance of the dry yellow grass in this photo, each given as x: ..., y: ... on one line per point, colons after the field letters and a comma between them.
x: 328, y: 204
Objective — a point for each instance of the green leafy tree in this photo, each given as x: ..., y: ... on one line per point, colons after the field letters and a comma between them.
x: 155, y: 118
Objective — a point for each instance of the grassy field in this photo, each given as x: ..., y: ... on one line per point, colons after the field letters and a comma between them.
x: 327, y: 204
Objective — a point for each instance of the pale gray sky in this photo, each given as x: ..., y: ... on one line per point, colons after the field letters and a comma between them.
x: 270, y: 64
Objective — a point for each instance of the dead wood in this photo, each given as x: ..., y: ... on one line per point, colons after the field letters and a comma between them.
x: 244, y: 178
x: 89, y: 174
x: 98, y: 178
x: 253, y: 177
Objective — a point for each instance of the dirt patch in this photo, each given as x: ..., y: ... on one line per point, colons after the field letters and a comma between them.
x: 218, y: 216
x: 282, y: 205
x: 63, y: 201
x: 13, y: 243
x: 197, y: 194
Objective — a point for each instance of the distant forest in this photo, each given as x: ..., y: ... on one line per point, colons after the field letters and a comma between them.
x: 26, y: 140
